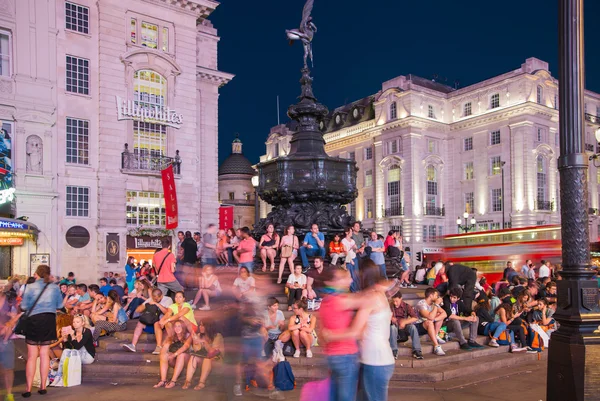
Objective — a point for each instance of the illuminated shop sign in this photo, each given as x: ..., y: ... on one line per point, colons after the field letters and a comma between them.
x: 129, y: 110
x: 7, y: 195
x: 13, y: 225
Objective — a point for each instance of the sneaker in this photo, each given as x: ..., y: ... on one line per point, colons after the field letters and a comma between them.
x: 395, y: 354
x: 297, y: 354
x: 9, y: 397
x: 466, y: 347
x: 439, y: 351
x: 193, y: 306
x: 237, y: 390
x: 531, y: 350
x: 475, y: 344
x: 309, y: 354
x: 305, y: 269
x: 276, y: 395
x: 515, y: 348
x: 412, y: 286
x: 403, y: 285
x: 129, y: 347
x: 418, y: 354
x: 157, y: 350
x: 440, y: 340
x: 205, y: 307
x: 493, y: 343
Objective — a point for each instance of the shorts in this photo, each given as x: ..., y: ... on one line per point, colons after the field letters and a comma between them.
x: 420, y: 329
x: 148, y: 329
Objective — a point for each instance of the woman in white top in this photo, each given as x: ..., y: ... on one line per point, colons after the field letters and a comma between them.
x: 296, y: 283
x: 244, y: 284
x: 351, y: 259
x: 372, y: 328
x: 289, y: 245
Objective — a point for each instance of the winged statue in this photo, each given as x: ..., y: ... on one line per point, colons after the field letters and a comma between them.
x: 305, y: 33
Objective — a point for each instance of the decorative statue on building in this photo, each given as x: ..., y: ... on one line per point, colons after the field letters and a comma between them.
x: 34, y: 148
x: 305, y: 33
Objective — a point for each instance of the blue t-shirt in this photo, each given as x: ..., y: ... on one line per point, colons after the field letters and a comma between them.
x: 119, y: 290
x: 84, y: 298
x: 310, y: 240
x: 105, y: 289
x: 376, y: 257
x: 130, y: 271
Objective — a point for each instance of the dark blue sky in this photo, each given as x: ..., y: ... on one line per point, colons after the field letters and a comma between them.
x: 360, y: 44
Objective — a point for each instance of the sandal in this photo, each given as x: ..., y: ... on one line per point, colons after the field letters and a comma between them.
x: 200, y: 386
x: 272, y: 268
x: 186, y: 385
x: 160, y: 384
x: 171, y: 384
x: 264, y: 268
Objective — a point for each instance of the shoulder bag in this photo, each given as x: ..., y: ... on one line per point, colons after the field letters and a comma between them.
x: 21, y: 326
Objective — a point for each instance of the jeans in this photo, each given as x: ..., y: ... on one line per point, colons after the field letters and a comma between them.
x: 374, y: 382
x: 455, y: 326
x: 248, y: 265
x: 353, y: 269
x: 344, y: 377
x: 383, y: 270
x: 230, y: 255
x: 294, y: 294
x: 413, y: 333
x: 209, y: 261
x: 495, y: 327
x: 305, y: 253
x: 251, y: 352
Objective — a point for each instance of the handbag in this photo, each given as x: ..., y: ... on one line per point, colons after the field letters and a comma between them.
x: 21, y: 326
x: 287, y: 251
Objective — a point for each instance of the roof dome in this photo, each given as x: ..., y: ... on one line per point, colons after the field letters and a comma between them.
x: 236, y: 163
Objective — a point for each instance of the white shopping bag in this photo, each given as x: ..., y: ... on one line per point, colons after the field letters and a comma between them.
x: 543, y: 335
x: 72, y: 369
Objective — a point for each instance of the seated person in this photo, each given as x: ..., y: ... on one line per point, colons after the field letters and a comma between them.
x: 208, y: 287
x: 459, y: 317
x: 542, y: 316
x: 245, y: 284
x: 174, y: 353
x: 62, y: 320
x: 78, y: 337
x: 296, y: 284
x: 85, y: 301
x: 207, y: 348
x: 118, y: 287
x: 139, y: 295
x: 488, y: 326
x: 336, y: 249
x: 302, y: 328
x: 421, y: 271
x: 274, y: 326
x: 111, y: 318
x: 147, y: 272
x: 64, y: 289
x: 71, y: 299
x: 314, y: 282
x: 158, y: 304
x: 104, y: 287
x: 179, y: 311
x: 431, y: 318
x: 313, y: 245
x: 70, y: 279
x: 504, y: 313
x: 441, y: 280
x: 404, y: 318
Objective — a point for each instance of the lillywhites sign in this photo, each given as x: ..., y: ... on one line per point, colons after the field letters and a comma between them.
x: 144, y: 242
x: 129, y: 110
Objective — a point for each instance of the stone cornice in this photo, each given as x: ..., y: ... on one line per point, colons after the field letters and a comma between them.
x: 33, y: 194
x: 213, y: 76
x: 502, y: 114
x: 199, y: 8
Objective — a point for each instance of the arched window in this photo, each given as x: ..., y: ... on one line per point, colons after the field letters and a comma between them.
x: 393, y: 111
x: 432, y: 190
x: 540, y: 94
x: 149, y: 138
x: 542, y: 184
x: 393, y: 191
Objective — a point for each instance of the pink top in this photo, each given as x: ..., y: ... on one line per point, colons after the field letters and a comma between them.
x: 333, y: 317
x: 247, y: 244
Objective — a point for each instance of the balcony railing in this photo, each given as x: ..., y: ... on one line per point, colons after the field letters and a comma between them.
x: 148, y: 162
x: 434, y: 211
x: 394, y: 211
x: 544, y: 205
x: 592, y: 118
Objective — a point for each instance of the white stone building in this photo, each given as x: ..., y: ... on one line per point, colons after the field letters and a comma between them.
x: 428, y: 153
x: 76, y: 76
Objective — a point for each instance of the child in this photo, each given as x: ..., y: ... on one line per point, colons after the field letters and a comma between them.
x: 336, y: 249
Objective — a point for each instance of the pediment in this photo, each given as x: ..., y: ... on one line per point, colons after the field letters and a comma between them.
x: 151, y: 59
x: 35, y: 117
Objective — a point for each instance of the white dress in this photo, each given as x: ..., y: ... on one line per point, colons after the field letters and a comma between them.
x: 375, y: 349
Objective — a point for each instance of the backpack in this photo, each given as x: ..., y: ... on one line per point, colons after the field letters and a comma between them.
x: 284, y: 377
x: 535, y: 341
x: 288, y: 348
x: 150, y: 315
x: 505, y: 338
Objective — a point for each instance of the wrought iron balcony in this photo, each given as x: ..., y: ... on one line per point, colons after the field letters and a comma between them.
x: 434, y: 211
x: 592, y: 118
x: 136, y: 162
x: 397, y: 210
x: 544, y: 205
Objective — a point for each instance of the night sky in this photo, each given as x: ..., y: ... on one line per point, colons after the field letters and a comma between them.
x: 360, y: 44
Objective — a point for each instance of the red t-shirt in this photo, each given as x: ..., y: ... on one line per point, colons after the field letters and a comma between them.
x: 247, y: 244
x: 166, y: 272
x: 334, y: 317
x: 389, y: 241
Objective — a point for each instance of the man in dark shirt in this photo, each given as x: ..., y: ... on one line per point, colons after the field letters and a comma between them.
x: 461, y: 275
x: 117, y: 288
x: 458, y: 317
x: 403, y: 319
x: 314, y: 280
x: 190, y: 247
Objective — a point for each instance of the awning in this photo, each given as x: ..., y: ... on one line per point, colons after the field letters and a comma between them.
x: 13, y: 228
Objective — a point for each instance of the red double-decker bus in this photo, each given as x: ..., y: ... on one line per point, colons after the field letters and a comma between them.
x: 488, y: 251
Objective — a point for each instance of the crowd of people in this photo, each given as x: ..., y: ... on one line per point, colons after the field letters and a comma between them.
x: 338, y: 293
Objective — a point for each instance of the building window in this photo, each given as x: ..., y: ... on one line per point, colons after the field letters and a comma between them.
x: 482, y: 226
x: 368, y: 153
x: 393, y: 146
x: 77, y: 141
x: 393, y: 111
x: 393, y: 190
x: 556, y: 102
x: 495, y: 165
x: 430, y: 112
x: 78, y: 201
x: 432, y: 190
x: 597, y: 111
x: 149, y: 35
x: 494, y: 226
x: 352, y: 209
x: 539, y: 135
x: 496, y: 200
x: 495, y: 101
x: 469, y: 202
x: 5, y: 53
x: 133, y: 31
x: 469, y: 171
x: 78, y: 75
x: 165, y: 40
x: 540, y: 94
x: 432, y: 234
x: 440, y: 231
x: 145, y: 209
x: 150, y: 91
x: 231, y: 195
x: 276, y: 150
x: 468, y: 109
x: 468, y: 144
x: 425, y: 234
x: 542, y: 184
x: 432, y: 146
x: 352, y: 155
x: 369, y: 208
x: 495, y: 137
x: 598, y: 176
x: 77, y: 18
x: 368, y: 178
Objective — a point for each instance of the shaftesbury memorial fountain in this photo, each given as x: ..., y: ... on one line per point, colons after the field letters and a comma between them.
x: 307, y: 186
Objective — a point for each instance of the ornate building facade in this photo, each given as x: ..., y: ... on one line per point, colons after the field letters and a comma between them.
x: 428, y: 153
x: 99, y: 96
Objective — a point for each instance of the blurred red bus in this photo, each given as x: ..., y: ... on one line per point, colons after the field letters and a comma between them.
x: 488, y: 251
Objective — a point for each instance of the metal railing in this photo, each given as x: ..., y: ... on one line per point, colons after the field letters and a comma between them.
x: 544, y: 205
x: 397, y: 210
x: 148, y: 162
x: 434, y: 211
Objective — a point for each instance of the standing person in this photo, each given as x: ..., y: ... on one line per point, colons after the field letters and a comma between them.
x: 40, y: 301
x: 372, y: 326
x: 359, y: 239
x: 198, y: 239
x: 268, y: 245
x: 8, y: 319
x: 190, y: 248
x: 289, y: 245
x: 376, y: 255
x: 351, y: 259
x: 209, y: 252
x: 461, y: 275
x: 246, y: 250
x: 179, y: 248
x: 313, y: 245
x: 165, y: 267
x: 544, y: 270
x: 130, y: 269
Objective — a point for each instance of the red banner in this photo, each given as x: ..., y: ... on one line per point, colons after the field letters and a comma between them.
x: 168, y: 181
x: 225, y: 217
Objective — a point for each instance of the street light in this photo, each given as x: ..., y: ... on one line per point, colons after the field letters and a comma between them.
x: 596, y: 156
x: 466, y: 227
x: 255, y: 182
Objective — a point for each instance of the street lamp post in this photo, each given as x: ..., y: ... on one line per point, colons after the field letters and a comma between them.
x: 466, y: 227
x: 255, y: 182
x: 502, y: 168
x: 575, y: 346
